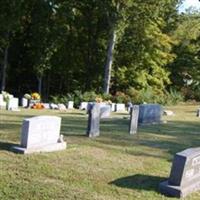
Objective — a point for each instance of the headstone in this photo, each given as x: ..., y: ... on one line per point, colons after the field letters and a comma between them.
x: 113, y: 107
x: 168, y: 113
x: 120, y: 107
x: 24, y: 103
x: 46, y: 105
x: 53, y: 106
x: 150, y: 113
x: 13, y: 104
x: 105, y: 111
x: 70, y: 105
x: 2, y: 102
x: 198, y: 112
x: 83, y: 106
x: 62, y: 107
x: 133, y: 124
x: 94, y: 121
x: 41, y: 134
x: 89, y: 106
x: 129, y: 106
x: 185, y: 174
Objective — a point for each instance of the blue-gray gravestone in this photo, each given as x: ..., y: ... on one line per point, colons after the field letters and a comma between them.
x: 133, y: 124
x: 185, y: 174
x: 93, y: 120
x: 150, y: 113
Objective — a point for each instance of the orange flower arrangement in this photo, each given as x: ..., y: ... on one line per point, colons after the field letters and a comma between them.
x: 37, y: 106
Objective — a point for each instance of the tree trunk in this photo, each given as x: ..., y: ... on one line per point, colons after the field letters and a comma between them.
x: 4, y: 67
x: 40, y: 85
x: 109, y: 61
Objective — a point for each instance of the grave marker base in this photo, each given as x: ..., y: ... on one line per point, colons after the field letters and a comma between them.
x: 47, y: 148
x: 178, y: 191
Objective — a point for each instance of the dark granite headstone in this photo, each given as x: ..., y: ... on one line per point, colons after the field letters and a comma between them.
x: 185, y: 174
x: 93, y: 120
x: 150, y: 113
x: 133, y: 124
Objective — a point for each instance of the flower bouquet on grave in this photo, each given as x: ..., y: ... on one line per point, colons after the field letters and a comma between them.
x: 35, y: 101
x: 37, y: 106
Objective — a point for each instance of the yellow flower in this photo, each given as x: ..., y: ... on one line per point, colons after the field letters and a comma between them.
x: 35, y: 96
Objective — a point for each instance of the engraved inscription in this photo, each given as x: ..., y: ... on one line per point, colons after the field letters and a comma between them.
x: 196, y: 161
x: 189, y: 173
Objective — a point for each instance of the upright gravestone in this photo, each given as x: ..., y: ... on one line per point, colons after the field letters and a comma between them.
x: 150, y: 113
x: 41, y: 134
x: 93, y: 120
x: 185, y: 174
x: 13, y: 104
x: 120, y: 107
x: 70, y: 105
x: 24, y: 102
x: 2, y: 102
x: 83, y: 106
x: 105, y: 111
x: 133, y: 124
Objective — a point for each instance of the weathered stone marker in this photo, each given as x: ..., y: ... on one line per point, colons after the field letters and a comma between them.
x: 93, y: 120
x: 185, y: 174
x: 133, y: 124
x: 41, y: 134
x: 105, y: 111
x: 150, y: 113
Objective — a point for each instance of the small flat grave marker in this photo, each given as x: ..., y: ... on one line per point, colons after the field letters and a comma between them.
x: 185, y: 174
x: 41, y: 134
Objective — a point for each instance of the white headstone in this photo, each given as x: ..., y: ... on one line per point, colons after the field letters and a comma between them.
x: 2, y: 102
x: 46, y: 105
x: 41, y: 134
x: 113, y: 106
x: 120, y: 107
x: 24, y: 102
x: 13, y: 104
x: 62, y: 107
x: 70, y: 105
x: 83, y: 106
x: 53, y: 106
x: 105, y: 111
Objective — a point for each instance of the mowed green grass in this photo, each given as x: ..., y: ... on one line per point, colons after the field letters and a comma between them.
x: 115, y: 165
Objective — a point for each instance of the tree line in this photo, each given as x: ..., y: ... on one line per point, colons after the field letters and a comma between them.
x: 107, y: 46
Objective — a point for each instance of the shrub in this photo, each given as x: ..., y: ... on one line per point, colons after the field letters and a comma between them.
x: 89, y: 96
x: 120, y: 97
x: 173, y: 97
x: 59, y: 99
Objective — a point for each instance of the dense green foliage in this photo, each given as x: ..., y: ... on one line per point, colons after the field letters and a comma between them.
x: 61, y: 47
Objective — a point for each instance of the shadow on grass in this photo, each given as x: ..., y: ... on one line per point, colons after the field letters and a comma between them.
x: 139, y: 182
x: 7, y: 146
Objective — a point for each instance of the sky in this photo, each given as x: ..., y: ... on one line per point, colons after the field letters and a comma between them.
x: 189, y: 3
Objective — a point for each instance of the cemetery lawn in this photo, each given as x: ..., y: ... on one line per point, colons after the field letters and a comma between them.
x: 113, y: 166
